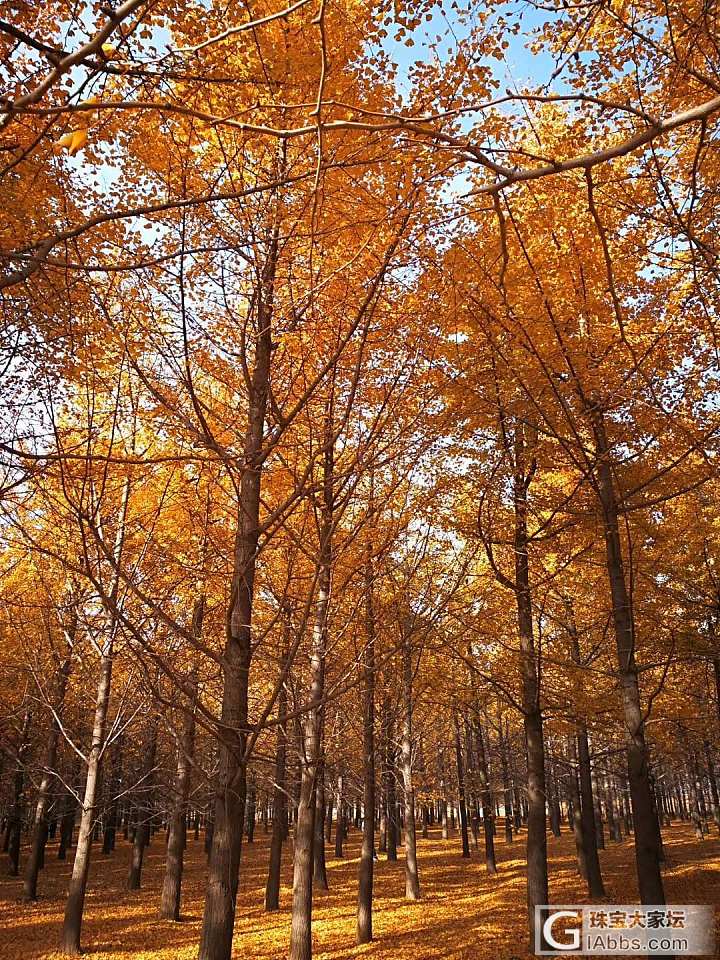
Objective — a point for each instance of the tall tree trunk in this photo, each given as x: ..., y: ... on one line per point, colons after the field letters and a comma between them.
x: 145, y: 809
x: 320, y: 879
x: 696, y: 813
x: 231, y: 781
x: 279, y: 827
x: 461, y: 790
x: 537, y: 872
x: 412, y: 879
x: 365, y: 870
x: 390, y: 792
x: 647, y: 852
x: 486, y: 799
x: 596, y: 888
x: 553, y: 799
x: 328, y: 815
x: 576, y: 806
x: 301, y: 925
x: 177, y: 836
x: 444, y: 832
x: 340, y: 825
x: 581, y: 749
x: 14, y: 827
x: 507, y: 789
x: 40, y: 825
x: 251, y: 813
x: 72, y: 924
x: 610, y: 807
x: 115, y: 779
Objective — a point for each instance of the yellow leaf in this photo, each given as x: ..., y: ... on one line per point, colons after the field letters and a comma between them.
x: 109, y: 50
x: 73, y: 141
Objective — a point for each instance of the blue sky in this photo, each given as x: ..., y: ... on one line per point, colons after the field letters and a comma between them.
x: 519, y: 67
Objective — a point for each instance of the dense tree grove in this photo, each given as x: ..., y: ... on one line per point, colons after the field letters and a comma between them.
x: 360, y: 432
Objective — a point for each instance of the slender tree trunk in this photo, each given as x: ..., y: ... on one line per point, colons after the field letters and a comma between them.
x: 365, y: 870
x: 144, y: 812
x: 340, y: 825
x: 412, y: 879
x: 575, y: 803
x: 596, y: 888
x: 382, y: 839
x: 610, y: 807
x: 251, y: 813
x: 301, y: 924
x: 231, y: 781
x: 554, y: 802
x: 507, y: 790
x: 177, y: 835
x: 67, y: 822
x: 444, y: 832
x: 696, y: 794
x: 328, y: 816
x: 279, y: 827
x: 461, y: 790
x: 40, y: 826
x: 72, y: 924
x: 390, y: 792
x: 486, y: 799
x: 110, y: 826
x: 647, y: 853
x: 320, y: 879
x: 581, y: 749
x: 14, y: 827
x: 537, y: 872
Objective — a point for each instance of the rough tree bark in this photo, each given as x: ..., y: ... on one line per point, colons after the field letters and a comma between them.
x: 537, y: 872
x: 231, y: 781
x: 647, y: 831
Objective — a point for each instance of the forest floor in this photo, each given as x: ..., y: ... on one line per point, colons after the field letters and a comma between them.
x: 464, y: 913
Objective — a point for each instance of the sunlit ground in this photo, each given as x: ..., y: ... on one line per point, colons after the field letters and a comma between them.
x: 463, y: 912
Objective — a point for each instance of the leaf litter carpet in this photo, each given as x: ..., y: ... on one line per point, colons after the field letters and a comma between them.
x: 463, y: 913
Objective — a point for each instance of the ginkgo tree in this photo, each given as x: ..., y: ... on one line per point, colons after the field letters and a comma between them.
x: 341, y: 383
